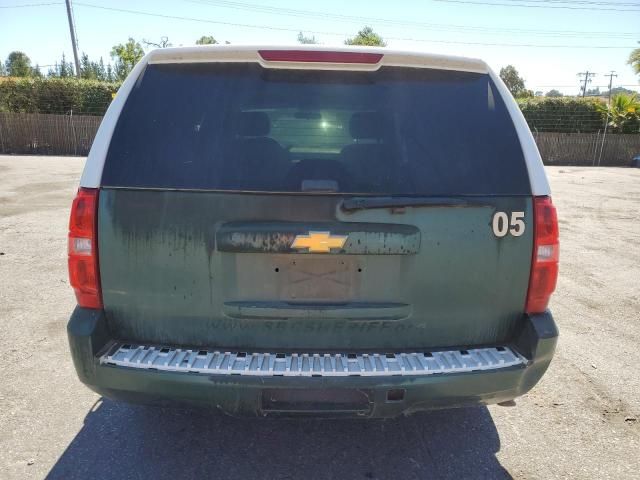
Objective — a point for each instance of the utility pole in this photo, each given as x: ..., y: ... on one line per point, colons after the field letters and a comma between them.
x: 611, y: 74
x: 74, y: 43
x: 587, y: 79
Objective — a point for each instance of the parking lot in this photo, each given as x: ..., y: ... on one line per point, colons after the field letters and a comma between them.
x: 581, y: 421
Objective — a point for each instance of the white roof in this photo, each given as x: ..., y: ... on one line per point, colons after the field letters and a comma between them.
x: 250, y: 53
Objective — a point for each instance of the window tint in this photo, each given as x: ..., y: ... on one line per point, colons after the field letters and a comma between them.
x: 241, y: 127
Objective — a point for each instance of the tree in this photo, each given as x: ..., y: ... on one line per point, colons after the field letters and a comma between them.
x: 18, y: 64
x: 553, y: 93
x: 368, y: 37
x: 513, y: 81
x: 304, y: 40
x: 87, y: 68
x: 110, y: 75
x: 62, y: 70
x: 634, y: 60
x: 92, y: 70
x: 618, y: 90
x: 623, y: 115
x: 126, y: 55
x: 66, y: 68
x: 101, y: 72
x: 206, y: 40
x: 163, y: 43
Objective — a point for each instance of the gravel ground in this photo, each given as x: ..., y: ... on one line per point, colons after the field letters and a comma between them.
x: 581, y: 421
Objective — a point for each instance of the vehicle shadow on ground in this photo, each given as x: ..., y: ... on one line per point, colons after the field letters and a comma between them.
x: 123, y: 441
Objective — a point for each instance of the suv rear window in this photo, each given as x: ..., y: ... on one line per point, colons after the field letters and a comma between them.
x: 241, y: 127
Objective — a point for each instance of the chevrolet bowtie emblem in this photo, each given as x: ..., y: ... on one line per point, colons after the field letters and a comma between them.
x: 319, y: 242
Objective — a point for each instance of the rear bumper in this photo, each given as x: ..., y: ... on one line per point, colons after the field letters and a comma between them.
x: 365, y: 396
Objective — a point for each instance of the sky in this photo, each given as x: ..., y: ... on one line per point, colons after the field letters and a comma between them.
x: 548, y: 41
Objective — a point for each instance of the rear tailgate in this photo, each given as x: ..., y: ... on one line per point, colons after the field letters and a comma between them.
x: 222, y: 225
x: 197, y: 269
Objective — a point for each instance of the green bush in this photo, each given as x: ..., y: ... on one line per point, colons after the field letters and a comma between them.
x: 623, y: 113
x: 568, y: 115
x: 92, y: 97
x: 56, y: 95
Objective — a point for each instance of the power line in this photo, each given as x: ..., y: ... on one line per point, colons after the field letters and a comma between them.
x: 341, y: 34
x: 32, y: 5
x: 360, y: 19
x: 580, y: 2
x: 594, y: 86
x: 536, y: 6
x: 363, y: 19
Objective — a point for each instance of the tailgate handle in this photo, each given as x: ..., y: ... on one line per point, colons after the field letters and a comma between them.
x: 356, y: 238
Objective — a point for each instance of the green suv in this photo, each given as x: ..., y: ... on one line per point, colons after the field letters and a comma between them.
x: 353, y: 232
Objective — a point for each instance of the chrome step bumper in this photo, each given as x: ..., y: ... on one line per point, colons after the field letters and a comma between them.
x: 215, y: 362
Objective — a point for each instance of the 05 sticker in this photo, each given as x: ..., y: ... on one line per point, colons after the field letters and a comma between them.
x: 503, y: 224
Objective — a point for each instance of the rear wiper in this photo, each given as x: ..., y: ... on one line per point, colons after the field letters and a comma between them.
x: 364, y: 203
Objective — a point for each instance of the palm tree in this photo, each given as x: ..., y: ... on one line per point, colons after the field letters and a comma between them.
x: 634, y: 60
x: 623, y: 114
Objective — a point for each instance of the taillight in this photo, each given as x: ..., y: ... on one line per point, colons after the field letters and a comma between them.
x: 546, y: 249
x: 319, y: 56
x: 84, y: 275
